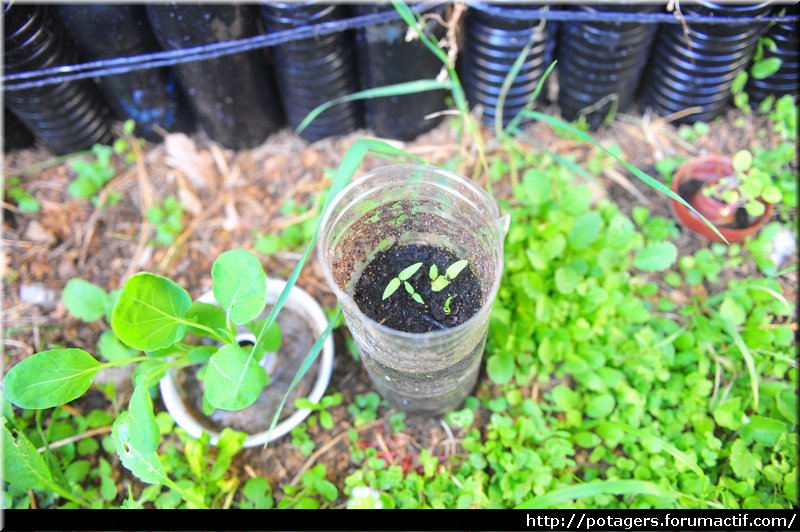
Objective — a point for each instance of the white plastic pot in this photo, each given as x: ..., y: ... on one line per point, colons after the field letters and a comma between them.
x: 298, y: 301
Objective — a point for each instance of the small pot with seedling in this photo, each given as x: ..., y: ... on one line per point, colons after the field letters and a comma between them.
x: 415, y: 256
x: 732, y: 193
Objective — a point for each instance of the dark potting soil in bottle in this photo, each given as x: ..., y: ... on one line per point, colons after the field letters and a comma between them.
x: 400, y: 311
x: 68, y: 116
x: 150, y: 97
x: 386, y: 58
x: 315, y: 70
x: 232, y: 96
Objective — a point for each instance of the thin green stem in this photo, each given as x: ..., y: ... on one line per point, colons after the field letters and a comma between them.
x: 123, y: 362
x: 202, y: 327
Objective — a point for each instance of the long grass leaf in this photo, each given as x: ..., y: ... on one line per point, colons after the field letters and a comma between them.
x: 676, y: 453
x: 303, y: 369
x: 748, y: 358
x: 533, y: 97
x: 507, y: 82
x: 591, y: 489
x: 398, y: 89
x: 650, y: 181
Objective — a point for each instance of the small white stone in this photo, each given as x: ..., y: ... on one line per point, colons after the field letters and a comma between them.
x: 38, y: 294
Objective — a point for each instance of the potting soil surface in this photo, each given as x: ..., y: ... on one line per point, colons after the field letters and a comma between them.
x: 400, y: 311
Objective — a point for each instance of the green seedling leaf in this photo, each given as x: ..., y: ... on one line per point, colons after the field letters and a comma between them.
x: 439, y: 284
x: 765, y: 68
x: 501, y: 367
x: 391, y: 288
x: 742, y: 161
x: 406, y: 274
x: 146, y: 466
x: 225, y: 367
x: 456, y: 268
x: 446, y: 307
x: 209, y: 315
x: 418, y: 298
x: 50, y: 378
x: 594, y: 488
x: 144, y: 435
x: 585, y: 230
x: 408, y: 287
x: 150, y: 313
x: 84, y: 300
x: 111, y: 349
x: 272, y: 337
x: 656, y: 257
x: 764, y: 430
x: 240, y: 285
x: 433, y: 273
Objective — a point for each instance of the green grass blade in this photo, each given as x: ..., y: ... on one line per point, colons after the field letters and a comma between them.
x: 398, y: 89
x: 648, y: 180
x: 676, y: 453
x: 303, y: 369
x: 532, y: 100
x: 591, y: 489
x: 774, y: 294
x: 748, y: 358
x: 506, y: 86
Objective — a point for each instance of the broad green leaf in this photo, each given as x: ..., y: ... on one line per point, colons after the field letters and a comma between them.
x: 50, y: 378
x: 84, y: 300
x: 585, y: 230
x: 732, y: 312
x: 764, y: 430
x: 566, y: 280
x: 146, y: 466
x: 765, y: 68
x: 600, y: 406
x: 742, y: 461
x: 150, y: 313
x: 271, y: 338
x: 201, y: 353
x: 240, y: 285
x: 772, y: 194
x: 742, y: 161
x: 222, y: 386
x: 144, y: 430
x: 23, y: 466
x: 391, y: 288
x: 656, y: 257
x: 440, y: 283
x: 399, y: 89
x: 408, y: 272
x: 454, y: 269
x: 591, y: 489
x: 209, y: 315
x: 111, y: 349
x: 500, y: 367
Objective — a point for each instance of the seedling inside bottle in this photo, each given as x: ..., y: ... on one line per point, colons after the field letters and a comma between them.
x: 446, y: 307
x: 403, y: 277
x: 440, y: 282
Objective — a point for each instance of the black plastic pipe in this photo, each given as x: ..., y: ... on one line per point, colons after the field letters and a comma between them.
x: 232, y: 97
x: 698, y: 69
x: 386, y: 58
x: 150, y: 97
x: 315, y: 70
x: 15, y: 135
x: 786, y: 38
x: 67, y: 117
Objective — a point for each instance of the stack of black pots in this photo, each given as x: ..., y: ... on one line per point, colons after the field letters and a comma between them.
x: 493, y: 40
x: 386, y: 58
x: 232, y: 96
x: 68, y: 116
x: 151, y: 97
x: 698, y: 70
x: 600, y: 63
x: 316, y: 70
x: 787, y: 79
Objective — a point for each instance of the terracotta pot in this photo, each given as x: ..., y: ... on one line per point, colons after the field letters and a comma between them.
x: 710, y: 168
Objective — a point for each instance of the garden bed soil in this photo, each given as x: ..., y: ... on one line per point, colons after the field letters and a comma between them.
x: 399, y: 311
x: 229, y: 196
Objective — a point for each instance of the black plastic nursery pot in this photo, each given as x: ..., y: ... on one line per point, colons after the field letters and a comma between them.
x: 232, y: 97
x: 15, y: 135
x: 698, y: 70
x: 787, y: 48
x: 315, y: 70
x: 68, y: 116
x: 386, y: 58
x: 150, y: 97
x: 600, y: 63
x: 493, y: 40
